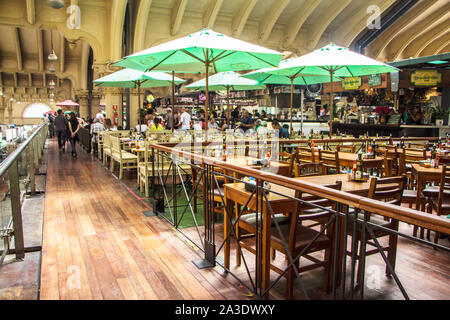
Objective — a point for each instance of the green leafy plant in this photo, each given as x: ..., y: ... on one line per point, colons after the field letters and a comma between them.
x: 439, y: 113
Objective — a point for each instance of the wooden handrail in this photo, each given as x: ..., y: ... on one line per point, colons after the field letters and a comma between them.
x: 298, y: 141
x: 400, y: 213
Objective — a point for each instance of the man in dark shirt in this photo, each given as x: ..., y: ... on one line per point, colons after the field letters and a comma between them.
x: 282, y: 132
x: 246, y: 121
x: 60, y: 124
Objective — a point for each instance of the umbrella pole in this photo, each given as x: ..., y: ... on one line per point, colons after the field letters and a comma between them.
x: 139, y: 106
x: 292, y: 103
x: 173, y: 99
x: 228, y: 106
x: 207, y: 96
x: 331, y: 102
x: 302, y: 97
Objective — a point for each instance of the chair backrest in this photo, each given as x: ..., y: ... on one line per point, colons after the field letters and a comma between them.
x: 444, y: 186
x: 107, y: 140
x: 305, y: 154
x: 289, y: 158
x: 317, y: 200
x: 415, y: 155
x: 418, y: 145
x: 309, y: 169
x: 345, y: 148
x: 116, y: 146
x: 389, y: 190
x: 330, y: 159
x: 444, y: 159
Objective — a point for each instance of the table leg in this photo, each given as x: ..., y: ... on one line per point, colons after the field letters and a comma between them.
x: 266, y: 237
x: 226, y: 230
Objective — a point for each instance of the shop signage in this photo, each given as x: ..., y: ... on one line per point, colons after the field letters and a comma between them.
x: 374, y: 80
x: 426, y: 77
x: 352, y: 83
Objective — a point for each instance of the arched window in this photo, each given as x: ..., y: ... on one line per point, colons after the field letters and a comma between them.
x: 35, y: 110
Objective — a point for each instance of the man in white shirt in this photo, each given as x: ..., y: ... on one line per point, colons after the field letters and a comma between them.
x: 96, y: 127
x: 99, y: 116
x: 185, y: 120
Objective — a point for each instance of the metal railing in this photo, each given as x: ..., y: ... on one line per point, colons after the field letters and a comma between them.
x: 18, y: 178
x: 183, y: 180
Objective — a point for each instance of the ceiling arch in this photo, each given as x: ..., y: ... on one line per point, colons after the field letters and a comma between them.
x: 376, y: 48
x: 435, y: 16
x: 429, y: 37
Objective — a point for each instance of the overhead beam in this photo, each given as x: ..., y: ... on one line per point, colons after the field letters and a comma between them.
x: 297, y: 21
x: 426, y: 39
x: 351, y: 28
x: 31, y: 11
x: 16, y: 41
x: 40, y: 49
x: 241, y: 17
x: 316, y: 30
x: 118, y: 9
x: 141, y: 24
x: 407, y: 37
x: 271, y: 17
x: 379, y: 44
x: 210, y: 15
x: 62, y: 49
x: 177, y: 16
x: 441, y: 48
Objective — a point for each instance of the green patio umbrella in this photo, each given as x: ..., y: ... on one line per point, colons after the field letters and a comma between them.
x: 267, y: 77
x: 333, y: 61
x: 228, y: 80
x: 203, y: 51
x: 130, y: 78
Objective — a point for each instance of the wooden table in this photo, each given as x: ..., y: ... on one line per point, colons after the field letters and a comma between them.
x: 423, y: 175
x: 235, y: 194
x: 346, y: 159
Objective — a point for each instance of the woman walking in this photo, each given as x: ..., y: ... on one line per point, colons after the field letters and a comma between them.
x: 73, y: 137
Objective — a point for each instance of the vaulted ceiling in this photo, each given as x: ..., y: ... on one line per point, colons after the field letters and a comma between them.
x: 294, y: 27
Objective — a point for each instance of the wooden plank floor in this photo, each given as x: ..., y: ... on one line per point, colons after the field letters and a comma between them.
x: 98, y: 244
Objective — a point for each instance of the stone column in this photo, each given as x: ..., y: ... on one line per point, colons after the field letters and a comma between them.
x: 95, y: 102
x: 134, y: 103
x: 2, y: 110
x: 82, y: 96
x: 113, y: 96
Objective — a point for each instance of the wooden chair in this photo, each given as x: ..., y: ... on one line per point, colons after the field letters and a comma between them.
x: 441, y: 203
x: 305, y: 154
x: 288, y: 158
x: 414, y: 155
x: 330, y: 160
x: 125, y: 159
x: 309, y: 169
x: 298, y: 236
x: 444, y: 160
x: 389, y: 190
x: 106, y: 153
x: 345, y: 148
x: 145, y: 170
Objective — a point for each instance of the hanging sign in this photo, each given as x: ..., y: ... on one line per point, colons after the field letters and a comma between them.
x: 426, y: 77
x: 351, y: 83
x: 374, y: 80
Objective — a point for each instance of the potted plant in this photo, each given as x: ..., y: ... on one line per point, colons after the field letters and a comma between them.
x: 439, y: 114
x: 383, y: 112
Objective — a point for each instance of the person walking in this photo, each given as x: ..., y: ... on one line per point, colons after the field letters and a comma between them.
x: 185, y: 120
x: 74, y: 126
x: 60, y: 124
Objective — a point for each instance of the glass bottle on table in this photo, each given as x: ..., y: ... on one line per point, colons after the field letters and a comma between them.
x: 224, y: 149
x: 359, y: 167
